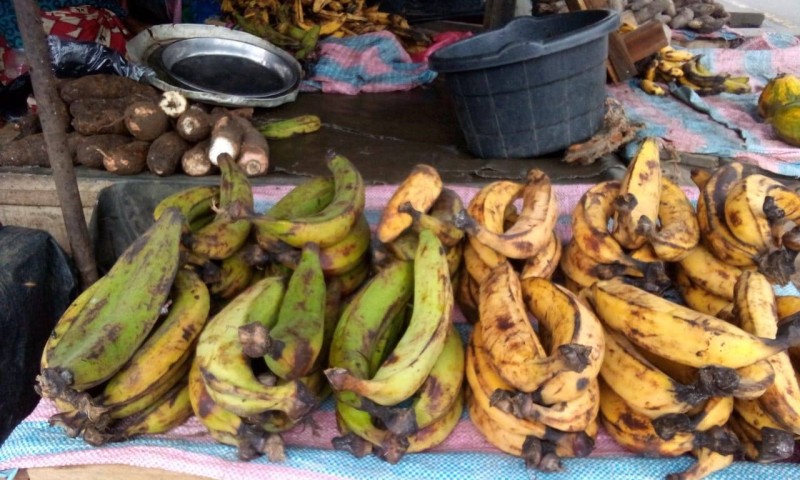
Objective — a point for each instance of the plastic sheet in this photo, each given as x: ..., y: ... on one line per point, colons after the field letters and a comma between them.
x: 37, y: 283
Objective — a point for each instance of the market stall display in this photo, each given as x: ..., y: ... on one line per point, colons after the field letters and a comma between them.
x: 333, y: 327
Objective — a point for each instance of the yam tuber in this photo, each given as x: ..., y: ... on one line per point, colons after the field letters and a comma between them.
x: 254, y: 151
x: 100, y: 122
x: 105, y: 86
x: 165, y: 153
x: 88, y: 151
x: 31, y: 151
x: 173, y: 104
x: 128, y: 159
x: 193, y: 125
x: 226, y: 137
x: 195, y: 161
x: 146, y: 121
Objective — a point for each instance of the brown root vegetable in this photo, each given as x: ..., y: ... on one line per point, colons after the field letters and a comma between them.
x: 254, y: 151
x: 85, y: 106
x: 173, y: 104
x: 104, y: 86
x: 165, y: 153
x: 684, y: 16
x: 88, y: 151
x: 146, y: 121
x: 193, y: 125
x: 226, y: 137
x: 109, y: 121
x: 128, y: 159
x: 31, y: 151
x: 195, y: 161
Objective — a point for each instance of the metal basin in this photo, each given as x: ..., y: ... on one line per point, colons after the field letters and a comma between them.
x: 229, y: 67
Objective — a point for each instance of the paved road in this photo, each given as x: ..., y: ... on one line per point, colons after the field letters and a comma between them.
x: 780, y: 13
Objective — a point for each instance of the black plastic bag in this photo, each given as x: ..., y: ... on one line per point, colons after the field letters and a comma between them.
x: 37, y: 283
x: 71, y: 59
x: 76, y: 59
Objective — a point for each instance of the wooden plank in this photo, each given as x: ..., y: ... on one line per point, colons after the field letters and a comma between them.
x: 106, y: 472
x: 39, y: 190
x: 619, y: 58
x: 646, y: 40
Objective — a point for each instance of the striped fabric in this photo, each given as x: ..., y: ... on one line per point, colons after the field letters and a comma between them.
x: 734, y: 129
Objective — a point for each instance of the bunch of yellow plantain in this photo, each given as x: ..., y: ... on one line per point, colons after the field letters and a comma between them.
x: 683, y: 68
x: 498, y: 234
x: 675, y: 380
x: 296, y: 25
x: 533, y: 392
x: 631, y: 227
x: 747, y: 222
x: 395, y: 343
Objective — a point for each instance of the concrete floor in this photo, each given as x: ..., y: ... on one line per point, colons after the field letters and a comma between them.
x: 781, y: 15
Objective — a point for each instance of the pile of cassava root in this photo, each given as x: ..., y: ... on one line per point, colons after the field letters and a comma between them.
x: 127, y: 127
x: 702, y: 16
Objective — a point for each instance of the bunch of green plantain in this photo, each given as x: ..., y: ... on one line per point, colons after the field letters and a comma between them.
x: 396, y: 360
x: 117, y: 359
x: 258, y: 365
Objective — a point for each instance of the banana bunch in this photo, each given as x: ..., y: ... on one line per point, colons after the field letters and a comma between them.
x: 420, y: 203
x: 670, y: 66
x: 395, y: 343
x: 117, y: 359
x: 258, y: 365
x: 767, y: 424
x: 747, y: 222
x: 498, y: 234
x: 534, y: 393
x: 297, y: 25
x: 328, y: 212
x: 696, y: 375
x: 629, y: 228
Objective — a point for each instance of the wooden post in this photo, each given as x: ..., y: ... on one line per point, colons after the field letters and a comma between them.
x: 53, y: 116
x: 497, y: 13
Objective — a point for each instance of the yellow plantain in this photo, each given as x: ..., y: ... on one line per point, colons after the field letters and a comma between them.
x: 544, y: 263
x: 639, y: 195
x: 420, y: 188
x: 654, y: 393
x: 225, y: 368
x: 711, y: 216
x: 756, y: 309
x: 502, y: 195
x: 744, y: 211
x: 634, y: 431
x: 679, y: 232
x: 584, y: 271
x: 697, y: 297
x: 534, y: 226
x: 508, y: 335
x: 709, y: 273
x: 590, y: 225
x: 679, y: 333
x: 575, y: 339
